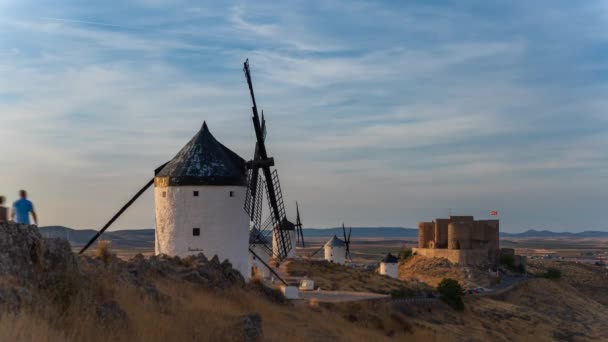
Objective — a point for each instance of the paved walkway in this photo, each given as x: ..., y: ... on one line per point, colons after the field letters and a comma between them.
x: 340, y: 296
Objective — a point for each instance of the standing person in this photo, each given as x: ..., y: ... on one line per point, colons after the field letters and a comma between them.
x: 3, y: 210
x: 22, y: 209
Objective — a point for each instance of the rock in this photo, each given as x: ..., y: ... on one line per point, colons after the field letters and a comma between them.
x: 249, y: 328
x: 56, y: 260
x: 33, y: 261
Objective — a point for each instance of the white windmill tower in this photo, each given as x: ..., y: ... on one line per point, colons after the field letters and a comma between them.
x: 335, y: 250
x: 390, y: 266
x: 198, y: 198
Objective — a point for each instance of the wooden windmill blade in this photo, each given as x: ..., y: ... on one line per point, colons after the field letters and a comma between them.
x: 299, y: 231
x: 350, y: 231
x: 346, y: 240
x: 120, y: 212
x: 264, y: 162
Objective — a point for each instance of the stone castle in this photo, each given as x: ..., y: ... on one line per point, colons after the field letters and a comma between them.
x: 460, y: 239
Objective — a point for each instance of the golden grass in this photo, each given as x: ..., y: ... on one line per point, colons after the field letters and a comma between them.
x: 329, y: 276
x: 540, y: 310
x: 187, y: 313
x: 103, y: 251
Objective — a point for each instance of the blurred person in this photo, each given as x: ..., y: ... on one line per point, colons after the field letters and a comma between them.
x: 22, y: 209
x: 3, y: 210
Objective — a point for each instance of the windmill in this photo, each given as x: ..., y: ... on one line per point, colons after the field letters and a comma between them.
x: 206, y: 169
x: 299, y: 232
x: 276, y: 224
x: 347, y: 241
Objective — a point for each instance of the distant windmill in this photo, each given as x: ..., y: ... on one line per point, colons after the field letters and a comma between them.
x: 299, y: 231
x: 347, y: 241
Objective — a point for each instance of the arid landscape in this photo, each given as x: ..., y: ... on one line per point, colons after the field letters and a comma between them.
x: 102, y: 296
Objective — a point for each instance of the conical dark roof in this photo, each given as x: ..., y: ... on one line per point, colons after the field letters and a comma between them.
x: 204, y: 161
x: 335, y: 242
x: 390, y: 259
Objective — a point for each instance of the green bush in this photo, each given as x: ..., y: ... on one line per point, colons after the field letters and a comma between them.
x: 451, y: 293
x: 507, y: 260
x: 405, y: 253
x: 402, y: 292
x: 552, y: 273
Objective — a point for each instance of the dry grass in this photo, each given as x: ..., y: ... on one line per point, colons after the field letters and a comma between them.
x: 186, y: 312
x: 540, y: 310
x: 329, y: 276
x: 103, y: 251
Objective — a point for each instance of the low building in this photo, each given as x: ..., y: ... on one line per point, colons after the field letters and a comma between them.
x: 335, y: 250
x: 389, y: 266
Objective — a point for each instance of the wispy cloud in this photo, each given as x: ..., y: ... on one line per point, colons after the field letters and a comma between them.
x: 379, y: 113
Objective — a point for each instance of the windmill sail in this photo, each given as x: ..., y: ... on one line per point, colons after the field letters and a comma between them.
x: 347, y: 240
x: 299, y: 232
x: 277, y: 222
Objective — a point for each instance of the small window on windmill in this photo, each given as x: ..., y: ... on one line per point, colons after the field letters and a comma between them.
x: 195, y: 193
x: 164, y: 194
x: 196, y: 232
x: 231, y: 193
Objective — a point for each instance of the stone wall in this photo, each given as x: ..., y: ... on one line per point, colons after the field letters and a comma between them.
x: 456, y: 256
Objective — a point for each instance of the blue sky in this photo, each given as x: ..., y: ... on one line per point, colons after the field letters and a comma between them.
x: 379, y: 113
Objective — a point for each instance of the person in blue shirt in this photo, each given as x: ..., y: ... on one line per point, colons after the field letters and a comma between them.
x: 22, y: 209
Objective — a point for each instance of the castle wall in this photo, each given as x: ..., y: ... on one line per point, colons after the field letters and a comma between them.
x: 492, y: 235
x: 441, y: 233
x: 461, y: 219
x: 456, y: 256
x: 222, y: 222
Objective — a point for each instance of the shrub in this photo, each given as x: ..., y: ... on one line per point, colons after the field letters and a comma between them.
x: 103, y: 251
x: 451, y: 293
x: 402, y: 292
x: 552, y: 273
x: 405, y: 253
x: 507, y: 260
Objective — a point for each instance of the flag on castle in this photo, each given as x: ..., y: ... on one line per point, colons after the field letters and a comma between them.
x: 494, y: 213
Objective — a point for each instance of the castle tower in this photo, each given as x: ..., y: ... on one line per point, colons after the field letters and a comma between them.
x: 198, y: 198
x: 335, y: 250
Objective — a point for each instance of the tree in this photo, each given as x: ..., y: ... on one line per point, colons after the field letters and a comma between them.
x: 451, y: 293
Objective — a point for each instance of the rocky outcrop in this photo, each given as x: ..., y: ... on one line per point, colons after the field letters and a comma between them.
x: 209, y: 273
x: 29, y: 263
